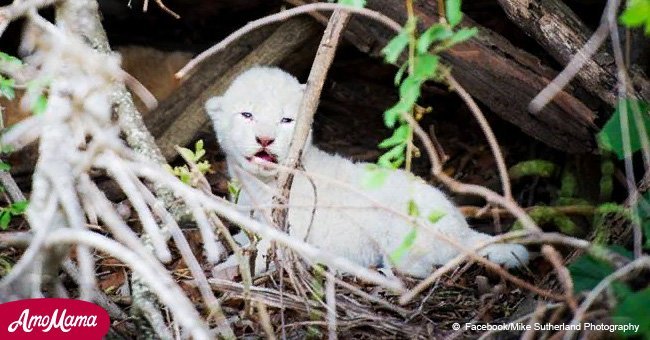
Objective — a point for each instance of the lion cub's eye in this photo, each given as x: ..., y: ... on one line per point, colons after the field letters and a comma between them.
x: 286, y: 120
x: 247, y: 115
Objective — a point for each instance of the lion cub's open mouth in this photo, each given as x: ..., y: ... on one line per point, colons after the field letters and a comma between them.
x: 269, y: 157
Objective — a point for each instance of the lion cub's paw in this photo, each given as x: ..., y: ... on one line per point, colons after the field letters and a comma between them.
x: 509, y: 255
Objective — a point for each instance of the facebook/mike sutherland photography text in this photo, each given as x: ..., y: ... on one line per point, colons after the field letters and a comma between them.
x: 518, y: 326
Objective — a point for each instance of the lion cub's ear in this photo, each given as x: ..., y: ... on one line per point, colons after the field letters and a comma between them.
x: 213, y: 107
x: 213, y: 104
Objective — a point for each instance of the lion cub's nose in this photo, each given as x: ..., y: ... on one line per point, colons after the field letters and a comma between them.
x: 264, y: 141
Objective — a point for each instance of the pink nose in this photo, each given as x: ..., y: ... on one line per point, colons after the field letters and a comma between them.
x: 264, y: 141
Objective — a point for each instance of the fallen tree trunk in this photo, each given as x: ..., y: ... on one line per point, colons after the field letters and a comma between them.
x: 554, y: 26
x: 181, y: 116
x: 499, y: 75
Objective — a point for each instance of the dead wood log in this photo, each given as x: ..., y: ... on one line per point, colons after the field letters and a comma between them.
x: 499, y: 75
x: 556, y: 28
x: 182, y: 115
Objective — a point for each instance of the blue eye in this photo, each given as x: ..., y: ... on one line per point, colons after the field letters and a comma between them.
x: 286, y: 120
x: 247, y: 115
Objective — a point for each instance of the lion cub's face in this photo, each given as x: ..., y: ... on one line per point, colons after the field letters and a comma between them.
x: 255, y: 118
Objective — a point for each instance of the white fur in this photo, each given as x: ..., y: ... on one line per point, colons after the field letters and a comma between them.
x: 344, y: 223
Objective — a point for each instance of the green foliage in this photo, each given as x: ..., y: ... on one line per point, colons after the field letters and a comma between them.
x: 544, y: 215
x: 633, y: 309
x: 591, y: 268
x: 397, y: 254
x: 568, y: 185
x: 7, y: 86
x: 413, y: 209
x: 38, y: 89
x: 462, y: 35
x: 400, y: 136
x: 587, y: 272
x: 454, y: 15
x: 606, y: 178
x: 353, y: 3
x: 393, y: 158
x: 4, y: 166
x: 423, y: 65
x: 14, y: 209
x: 637, y: 14
x: 610, y: 137
x: 435, y: 33
x: 194, y: 157
x: 374, y: 177
x: 535, y: 167
x: 435, y: 216
x: 396, y: 46
x: 234, y: 189
x: 6, y: 58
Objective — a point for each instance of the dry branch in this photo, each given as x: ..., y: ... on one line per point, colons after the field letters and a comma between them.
x: 308, y: 105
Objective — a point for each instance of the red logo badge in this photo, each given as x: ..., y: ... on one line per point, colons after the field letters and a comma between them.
x: 52, y: 319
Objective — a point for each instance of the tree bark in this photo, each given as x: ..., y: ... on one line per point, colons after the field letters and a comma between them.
x: 554, y: 26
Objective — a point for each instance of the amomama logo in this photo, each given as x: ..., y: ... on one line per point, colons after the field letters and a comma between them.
x: 52, y: 319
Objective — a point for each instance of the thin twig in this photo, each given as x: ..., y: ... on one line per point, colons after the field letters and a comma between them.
x: 308, y: 105
x: 284, y: 15
x: 489, y: 135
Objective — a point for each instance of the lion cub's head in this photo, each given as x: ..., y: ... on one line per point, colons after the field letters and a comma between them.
x: 255, y: 118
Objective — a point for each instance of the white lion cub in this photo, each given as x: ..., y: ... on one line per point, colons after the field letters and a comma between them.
x: 254, y: 122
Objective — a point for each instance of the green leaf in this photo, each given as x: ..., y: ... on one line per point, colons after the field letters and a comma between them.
x: 395, y: 47
x: 353, y: 3
x: 4, y: 166
x: 533, y: 167
x: 454, y: 15
x: 10, y: 59
x: 39, y: 106
x: 426, y: 66
x: 203, y: 166
x: 437, y: 32
x: 5, y: 218
x: 234, y: 189
x: 633, y: 309
x: 6, y: 148
x: 198, y: 154
x: 610, y: 137
x: 413, y: 209
x: 462, y: 35
x: 400, y: 74
x: 185, y: 176
x: 393, y: 158
x: 199, y: 145
x: 7, y: 88
x: 404, y: 247
x: 399, y: 136
x: 409, y: 91
x: 637, y: 14
x: 435, y: 216
x: 186, y: 153
x: 18, y: 207
x: 374, y: 177
x: 588, y: 270
x: 392, y: 115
